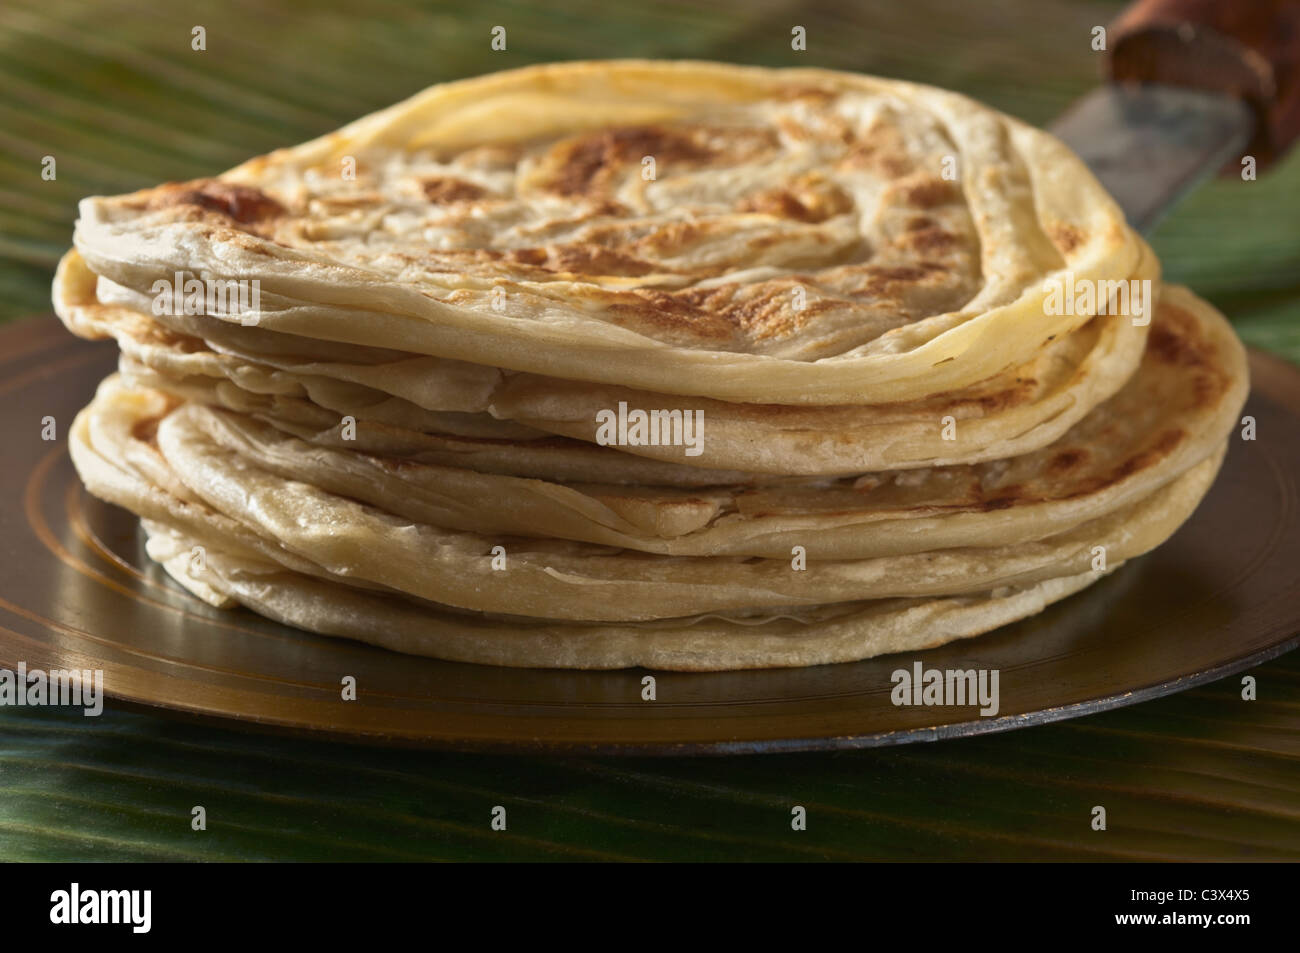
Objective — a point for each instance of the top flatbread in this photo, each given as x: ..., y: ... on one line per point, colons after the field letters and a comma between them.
x: 750, y: 235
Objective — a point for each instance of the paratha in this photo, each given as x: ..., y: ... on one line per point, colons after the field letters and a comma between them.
x: 548, y: 578
x: 1182, y: 402
x: 1017, y: 411
x: 234, y: 573
x: 855, y: 282
x: 814, y: 636
x: 804, y: 236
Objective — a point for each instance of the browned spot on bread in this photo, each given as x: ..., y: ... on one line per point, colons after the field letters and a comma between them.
x: 542, y: 262
x: 762, y: 311
x: 903, y: 273
x: 1066, y: 461
x: 667, y: 240
x: 1159, y: 449
x: 1065, y: 237
x: 887, y: 281
x: 1021, y: 392
x: 928, y: 192
x: 768, y: 316
x: 527, y: 256
x: 716, y: 315
x: 777, y: 202
x: 445, y: 190
x: 808, y: 199
x: 240, y: 203
x: 927, y: 240
x: 663, y: 314
x: 1173, y: 340
x: 596, y: 260
x: 892, y: 166
x: 591, y: 161
x: 483, y: 262
x: 605, y: 208
x: 1176, y: 340
x: 882, y: 149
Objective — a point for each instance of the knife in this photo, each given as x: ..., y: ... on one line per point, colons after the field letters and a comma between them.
x: 1195, y: 86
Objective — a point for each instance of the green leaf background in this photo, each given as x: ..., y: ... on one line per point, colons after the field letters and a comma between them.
x: 114, y: 92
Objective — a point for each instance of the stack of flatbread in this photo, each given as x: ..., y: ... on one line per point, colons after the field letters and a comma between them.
x: 681, y: 365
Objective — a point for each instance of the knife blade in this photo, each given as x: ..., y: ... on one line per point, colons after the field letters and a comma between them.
x: 1195, y: 85
x: 1150, y: 145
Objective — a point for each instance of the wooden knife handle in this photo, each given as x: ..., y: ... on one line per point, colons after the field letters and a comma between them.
x: 1245, y: 48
